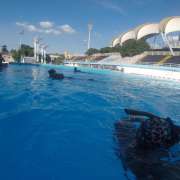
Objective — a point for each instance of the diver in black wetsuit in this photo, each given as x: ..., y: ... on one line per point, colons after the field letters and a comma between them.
x: 54, y: 75
x: 145, y: 140
x: 76, y: 70
x: 60, y: 76
x: 155, y: 131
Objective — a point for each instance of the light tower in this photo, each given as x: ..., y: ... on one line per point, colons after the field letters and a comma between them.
x: 43, y: 53
x: 37, y: 48
x: 21, y: 33
x: 90, y: 27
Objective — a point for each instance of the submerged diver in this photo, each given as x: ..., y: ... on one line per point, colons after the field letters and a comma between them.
x: 60, y: 76
x: 155, y: 131
x: 54, y: 75
x: 145, y: 140
x: 76, y: 70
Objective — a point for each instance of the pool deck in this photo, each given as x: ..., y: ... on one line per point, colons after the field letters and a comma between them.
x: 162, y: 72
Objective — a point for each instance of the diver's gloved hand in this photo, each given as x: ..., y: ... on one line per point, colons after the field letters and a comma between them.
x: 155, y: 131
x: 140, y: 113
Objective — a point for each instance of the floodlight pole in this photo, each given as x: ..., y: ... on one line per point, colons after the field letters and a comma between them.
x: 90, y: 27
x: 37, y: 48
x: 20, y: 44
x: 20, y: 39
x: 43, y: 53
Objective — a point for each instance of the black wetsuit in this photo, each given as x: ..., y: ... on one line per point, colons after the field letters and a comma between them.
x: 140, y: 148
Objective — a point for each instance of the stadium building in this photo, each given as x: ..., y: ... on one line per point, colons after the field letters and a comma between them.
x: 164, y: 38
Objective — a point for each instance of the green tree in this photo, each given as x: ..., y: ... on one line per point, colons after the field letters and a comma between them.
x: 129, y: 48
x: 91, y: 51
x: 133, y: 47
x: 25, y: 50
x: 16, y: 55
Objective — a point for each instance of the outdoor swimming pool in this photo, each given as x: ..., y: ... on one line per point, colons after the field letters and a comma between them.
x: 53, y: 130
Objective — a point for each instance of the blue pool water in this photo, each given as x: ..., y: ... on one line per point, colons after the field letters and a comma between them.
x: 63, y: 130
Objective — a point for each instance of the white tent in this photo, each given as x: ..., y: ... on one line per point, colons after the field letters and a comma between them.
x: 170, y: 24
x: 147, y: 30
x: 115, y: 42
x: 166, y: 26
x: 127, y: 36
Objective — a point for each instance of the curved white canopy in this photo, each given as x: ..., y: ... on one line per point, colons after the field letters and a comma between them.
x: 115, y: 42
x: 127, y: 36
x: 147, y: 30
x: 167, y: 25
x: 170, y: 24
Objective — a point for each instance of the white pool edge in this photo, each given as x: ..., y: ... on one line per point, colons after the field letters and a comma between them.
x: 162, y: 74
x: 154, y: 73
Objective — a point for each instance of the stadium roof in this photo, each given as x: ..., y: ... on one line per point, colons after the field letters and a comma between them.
x: 127, y: 36
x: 170, y: 24
x: 115, y: 42
x: 167, y: 25
x: 147, y: 30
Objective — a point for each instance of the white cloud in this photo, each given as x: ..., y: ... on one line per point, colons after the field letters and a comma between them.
x: 32, y: 28
x: 20, y: 24
x: 53, y: 31
x: 47, y: 27
x: 46, y: 24
x: 28, y: 27
x: 66, y: 28
x: 111, y: 5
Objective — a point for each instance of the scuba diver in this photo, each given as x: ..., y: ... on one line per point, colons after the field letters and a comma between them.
x: 155, y: 131
x: 60, y: 76
x: 76, y: 70
x: 146, y: 141
x: 54, y: 75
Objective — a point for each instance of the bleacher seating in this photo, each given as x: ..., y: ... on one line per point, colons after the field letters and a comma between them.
x: 174, y: 60
x: 156, y: 59
x: 151, y: 59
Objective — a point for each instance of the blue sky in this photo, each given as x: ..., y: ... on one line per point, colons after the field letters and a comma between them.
x: 62, y: 24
